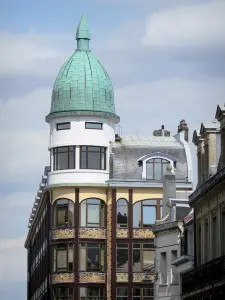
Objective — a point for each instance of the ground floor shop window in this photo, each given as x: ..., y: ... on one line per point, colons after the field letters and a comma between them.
x: 142, y: 293
x: 92, y: 293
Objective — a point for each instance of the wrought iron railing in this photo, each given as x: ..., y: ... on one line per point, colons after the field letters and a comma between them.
x: 209, y: 273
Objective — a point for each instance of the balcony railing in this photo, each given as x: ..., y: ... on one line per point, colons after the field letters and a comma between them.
x: 209, y: 273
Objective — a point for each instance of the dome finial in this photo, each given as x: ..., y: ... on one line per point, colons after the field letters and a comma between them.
x: 83, y: 35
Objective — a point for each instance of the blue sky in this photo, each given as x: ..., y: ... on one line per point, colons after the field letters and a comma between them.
x: 165, y: 59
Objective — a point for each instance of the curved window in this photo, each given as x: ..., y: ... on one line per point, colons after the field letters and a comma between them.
x: 122, y: 213
x: 155, y: 168
x: 64, y: 158
x: 92, y: 157
x: 63, y: 213
x: 92, y: 213
x: 144, y: 213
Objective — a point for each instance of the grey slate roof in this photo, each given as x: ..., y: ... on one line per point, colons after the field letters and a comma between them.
x: 125, y: 155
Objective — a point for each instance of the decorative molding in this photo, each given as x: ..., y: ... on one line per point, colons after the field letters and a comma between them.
x: 92, y: 233
x: 214, y: 212
x: 222, y: 207
x: 121, y: 277
x: 143, y: 234
x: 109, y: 251
x: 63, y: 233
x: 88, y: 277
x: 63, y: 278
x: 140, y: 277
x: 122, y: 233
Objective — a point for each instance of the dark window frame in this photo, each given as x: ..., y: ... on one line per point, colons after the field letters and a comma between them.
x: 120, y: 247
x: 141, y: 222
x: 86, y: 150
x: 102, y: 219
x: 142, y: 248
x: 93, y: 123
x: 153, y: 162
x: 69, y: 222
x: 63, y: 247
x: 68, y: 149
x: 62, y: 124
x: 95, y: 245
x: 59, y: 296
x: 118, y: 297
x: 101, y: 296
x: 142, y: 296
x: 122, y: 205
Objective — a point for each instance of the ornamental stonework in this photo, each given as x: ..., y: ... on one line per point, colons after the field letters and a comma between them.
x: 87, y: 277
x: 92, y: 233
x: 122, y: 233
x: 121, y: 277
x: 63, y: 233
x: 140, y: 277
x: 63, y: 278
x: 143, y: 233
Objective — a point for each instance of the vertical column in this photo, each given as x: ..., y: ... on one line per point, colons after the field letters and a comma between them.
x: 109, y: 246
x: 130, y: 246
x: 76, y: 245
x: 158, y: 210
x: 49, y: 248
x: 113, y: 244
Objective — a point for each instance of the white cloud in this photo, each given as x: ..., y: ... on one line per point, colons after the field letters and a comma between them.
x: 23, y: 137
x: 12, y: 260
x: 186, y: 27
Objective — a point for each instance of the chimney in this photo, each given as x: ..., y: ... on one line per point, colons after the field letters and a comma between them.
x: 220, y: 116
x: 161, y: 132
x: 169, y: 189
x: 183, y: 127
x: 198, y: 141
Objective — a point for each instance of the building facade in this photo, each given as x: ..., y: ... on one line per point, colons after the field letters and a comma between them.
x: 90, y: 231
x: 207, y: 279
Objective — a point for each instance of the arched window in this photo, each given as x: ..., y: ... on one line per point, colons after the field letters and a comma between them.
x: 122, y: 213
x: 63, y: 213
x: 92, y: 213
x: 144, y: 213
x: 155, y: 168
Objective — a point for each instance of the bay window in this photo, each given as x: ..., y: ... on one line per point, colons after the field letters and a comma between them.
x: 63, y: 213
x: 92, y: 257
x: 63, y: 255
x: 64, y: 158
x: 92, y: 213
x: 92, y: 157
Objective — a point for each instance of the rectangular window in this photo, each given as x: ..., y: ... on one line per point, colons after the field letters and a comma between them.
x: 92, y: 157
x: 63, y: 126
x: 64, y: 158
x: 174, y: 272
x: 206, y: 241
x: 122, y: 257
x: 63, y: 258
x: 93, y: 125
x: 121, y: 293
x: 143, y: 294
x: 92, y: 257
x: 214, y: 237
x: 143, y: 257
x: 163, y: 268
x: 63, y: 293
x: 92, y: 293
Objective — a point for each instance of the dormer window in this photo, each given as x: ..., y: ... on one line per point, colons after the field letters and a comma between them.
x: 155, y: 168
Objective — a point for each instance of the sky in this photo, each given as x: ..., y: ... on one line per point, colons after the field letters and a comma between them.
x: 166, y: 61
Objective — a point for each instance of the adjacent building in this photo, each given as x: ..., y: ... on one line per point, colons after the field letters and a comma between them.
x: 207, y: 279
x: 90, y: 231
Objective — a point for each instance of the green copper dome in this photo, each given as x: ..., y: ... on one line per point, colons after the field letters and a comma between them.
x: 82, y: 83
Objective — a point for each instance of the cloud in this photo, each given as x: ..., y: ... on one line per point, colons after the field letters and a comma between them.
x: 187, y: 27
x: 23, y: 136
x: 12, y: 260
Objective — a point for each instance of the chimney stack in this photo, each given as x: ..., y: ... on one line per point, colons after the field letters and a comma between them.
x: 183, y: 127
x: 220, y: 116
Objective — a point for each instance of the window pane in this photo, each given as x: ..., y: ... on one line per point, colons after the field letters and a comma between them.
x: 62, y: 216
x: 93, y: 262
x: 149, y: 215
x: 62, y: 201
x: 94, y: 160
x: 83, y: 214
x: 61, y: 259
x: 148, y: 259
x: 93, y: 214
x: 148, y: 292
x: 137, y: 215
x: 70, y: 259
x: 71, y: 214
x: 103, y: 160
x: 82, y: 259
x: 122, y: 260
x: 149, y: 170
x: 72, y: 160
x: 122, y: 291
x: 90, y: 125
x: 63, y: 126
x: 83, y: 163
x: 122, y: 211
x: 93, y: 149
x: 157, y: 171
x: 136, y: 292
x: 62, y: 161
x: 136, y: 260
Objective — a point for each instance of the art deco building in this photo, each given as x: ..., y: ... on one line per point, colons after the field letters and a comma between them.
x: 90, y: 231
x: 206, y: 279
